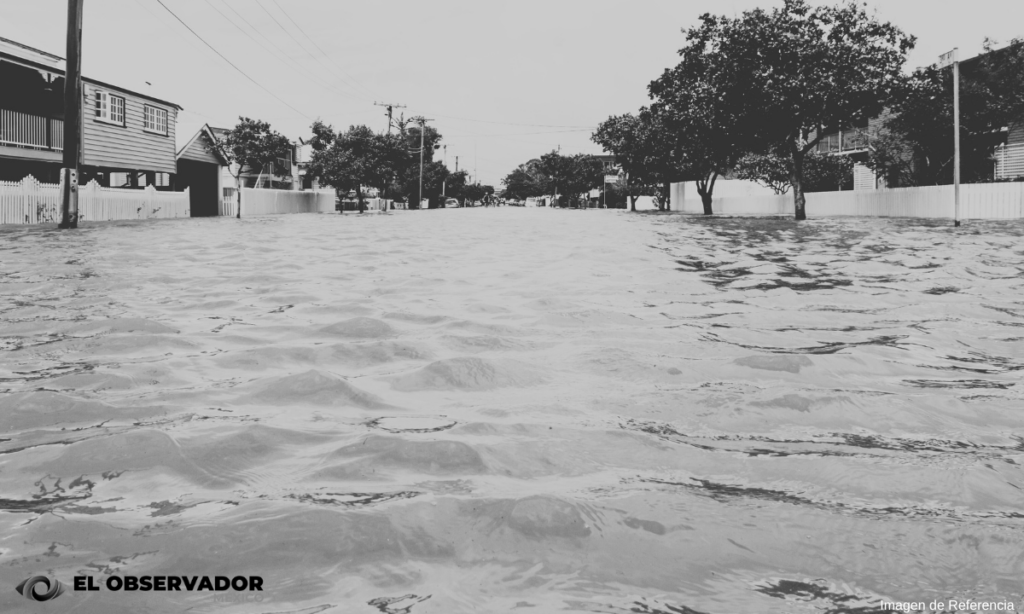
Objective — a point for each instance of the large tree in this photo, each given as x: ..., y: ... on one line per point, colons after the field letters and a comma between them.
x: 634, y: 142
x: 525, y: 181
x: 354, y: 159
x: 790, y: 75
x: 455, y: 185
x: 699, y: 138
x: 407, y: 179
x: 570, y: 176
x: 251, y: 145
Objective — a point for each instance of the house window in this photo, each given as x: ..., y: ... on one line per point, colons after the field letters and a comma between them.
x: 155, y: 120
x: 110, y: 108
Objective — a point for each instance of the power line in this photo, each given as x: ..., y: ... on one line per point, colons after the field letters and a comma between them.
x: 454, y: 136
x: 282, y: 57
x: 242, y: 72
x: 303, y: 47
x: 487, y: 121
x: 310, y: 39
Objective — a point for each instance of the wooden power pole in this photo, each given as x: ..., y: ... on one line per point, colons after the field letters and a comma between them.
x: 72, y: 117
x: 423, y: 128
x: 391, y: 108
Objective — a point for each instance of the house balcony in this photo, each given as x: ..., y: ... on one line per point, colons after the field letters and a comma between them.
x: 29, y: 132
x: 843, y: 142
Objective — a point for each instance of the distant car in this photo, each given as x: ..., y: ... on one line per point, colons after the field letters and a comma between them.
x: 451, y: 203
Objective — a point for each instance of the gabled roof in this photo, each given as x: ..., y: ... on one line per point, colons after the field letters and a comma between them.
x: 210, y: 135
x: 36, y: 58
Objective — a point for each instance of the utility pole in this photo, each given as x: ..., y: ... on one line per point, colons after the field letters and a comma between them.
x: 444, y: 182
x: 946, y: 59
x: 956, y: 139
x: 423, y: 129
x: 390, y: 108
x: 72, y: 117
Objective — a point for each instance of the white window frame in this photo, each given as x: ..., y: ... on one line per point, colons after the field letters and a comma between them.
x: 150, y: 111
x: 105, y: 108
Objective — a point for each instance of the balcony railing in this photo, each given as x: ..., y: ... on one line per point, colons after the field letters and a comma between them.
x: 25, y: 130
x: 854, y: 140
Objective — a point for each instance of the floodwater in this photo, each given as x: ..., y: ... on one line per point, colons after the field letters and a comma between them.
x: 514, y: 410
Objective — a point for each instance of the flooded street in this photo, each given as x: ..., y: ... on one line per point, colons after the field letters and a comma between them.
x: 492, y: 410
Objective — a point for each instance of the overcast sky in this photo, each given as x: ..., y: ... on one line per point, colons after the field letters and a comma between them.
x: 504, y: 81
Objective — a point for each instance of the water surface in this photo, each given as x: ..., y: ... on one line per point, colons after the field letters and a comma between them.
x: 504, y: 409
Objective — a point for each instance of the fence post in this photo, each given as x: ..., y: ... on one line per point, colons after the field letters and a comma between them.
x: 24, y: 196
x: 150, y: 204
x: 87, y: 206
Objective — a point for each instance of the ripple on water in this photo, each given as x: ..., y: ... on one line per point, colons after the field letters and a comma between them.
x: 516, y: 409
x: 469, y: 374
x: 312, y: 387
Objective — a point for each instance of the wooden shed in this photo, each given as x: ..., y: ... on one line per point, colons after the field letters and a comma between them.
x: 199, y: 169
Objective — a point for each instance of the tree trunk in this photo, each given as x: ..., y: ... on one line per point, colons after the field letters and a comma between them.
x: 706, y: 189
x: 359, y: 197
x: 796, y: 179
x: 705, y: 199
x: 632, y: 202
x: 667, y: 191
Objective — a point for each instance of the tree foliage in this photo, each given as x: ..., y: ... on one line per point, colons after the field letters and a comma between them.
x: 570, y: 176
x: 407, y: 171
x: 353, y: 159
x: 786, y: 77
x: 252, y: 145
x: 525, y: 181
x: 822, y: 172
x: 914, y: 145
x: 455, y: 185
x: 635, y: 142
x: 476, y: 192
x: 700, y: 129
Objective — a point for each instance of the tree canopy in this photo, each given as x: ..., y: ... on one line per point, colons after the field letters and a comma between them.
x: 252, y: 145
x: 788, y: 76
x: 914, y: 144
x: 354, y: 159
x: 822, y: 172
x: 525, y: 181
x: 636, y: 141
x: 570, y: 176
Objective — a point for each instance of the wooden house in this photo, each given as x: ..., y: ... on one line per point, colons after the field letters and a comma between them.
x: 127, y: 137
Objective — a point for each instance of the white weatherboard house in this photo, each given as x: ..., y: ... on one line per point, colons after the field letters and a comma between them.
x: 127, y: 137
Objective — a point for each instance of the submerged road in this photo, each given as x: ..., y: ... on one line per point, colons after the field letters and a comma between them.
x: 480, y: 410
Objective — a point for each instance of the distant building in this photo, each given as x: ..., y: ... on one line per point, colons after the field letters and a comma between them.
x: 127, y: 137
x: 201, y: 169
x: 203, y: 166
x: 1005, y: 144
x: 283, y: 174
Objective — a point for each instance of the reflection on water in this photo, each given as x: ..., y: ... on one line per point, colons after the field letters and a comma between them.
x: 473, y: 411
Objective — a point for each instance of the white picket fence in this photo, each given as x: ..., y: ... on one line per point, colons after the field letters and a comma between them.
x: 31, y: 202
x: 977, y: 201
x: 270, y: 202
x: 228, y: 207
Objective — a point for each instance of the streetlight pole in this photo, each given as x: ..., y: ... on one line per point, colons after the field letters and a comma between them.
x: 444, y: 182
x: 944, y: 60
x: 423, y: 129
